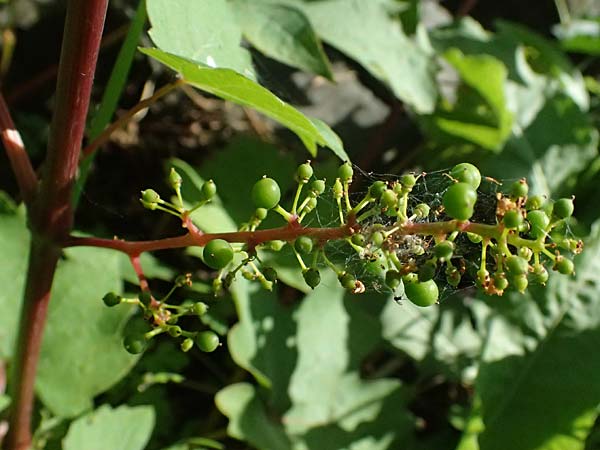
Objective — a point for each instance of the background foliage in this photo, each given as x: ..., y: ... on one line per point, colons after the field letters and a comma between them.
x: 406, y: 85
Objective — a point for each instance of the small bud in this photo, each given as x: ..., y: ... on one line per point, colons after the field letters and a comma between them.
x: 174, y: 331
x: 175, y: 179
x: 317, y: 187
x: 338, y: 189
x: 111, y: 299
x: 208, y: 190
x: 311, y: 204
x: 199, y: 308
x: 347, y: 281
x: 276, y: 245
x: 187, y: 345
x: 261, y: 213
x: 377, y: 189
x: 150, y: 196
x: 421, y: 211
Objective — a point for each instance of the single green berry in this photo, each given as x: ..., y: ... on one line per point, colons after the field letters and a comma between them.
x: 347, y: 281
x: 135, y: 343
x: 270, y: 274
x: 150, y: 196
x: 345, y: 172
x: 111, y: 299
x: 304, y: 172
x: 199, y: 308
x: 525, y: 252
x: 516, y: 265
x: 466, y: 173
x: 534, y: 202
x: 421, y: 210
x: 500, y: 281
x: 474, y: 238
x: 266, y: 193
x: 539, y: 222
x: 317, y: 187
x: 358, y: 239
x: 408, y: 181
x: 453, y: 276
x: 512, y: 219
x: 564, y: 265
x: 563, y: 208
x: 393, y: 279
x: 261, y: 213
x: 311, y: 204
x: 389, y: 199
x: 519, y: 189
x: 217, y: 254
x: 303, y: 245
x: 377, y: 189
x: 276, y: 245
x: 427, y: 271
x: 377, y: 238
x: 312, y: 277
x: 459, y: 201
x: 444, y: 250
x: 208, y: 190
x: 207, y: 341
x: 187, y: 345
x: 422, y: 293
x: 520, y: 283
x: 174, y: 331
x: 539, y: 274
x: 548, y: 207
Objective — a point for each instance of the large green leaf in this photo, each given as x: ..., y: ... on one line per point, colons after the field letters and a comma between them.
x: 230, y: 85
x: 123, y: 428
x: 480, y: 113
x: 204, y: 31
x: 284, y: 33
x: 538, y: 378
x: 367, y: 32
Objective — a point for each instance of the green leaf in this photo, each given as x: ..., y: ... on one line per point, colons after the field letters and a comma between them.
x: 123, y: 428
x: 203, y: 31
x: 283, y: 33
x: 367, y: 32
x: 229, y: 85
x: 538, y: 361
x: 82, y: 354
x: 480, y: 113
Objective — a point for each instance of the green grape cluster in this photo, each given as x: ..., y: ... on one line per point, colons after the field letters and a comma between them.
x: 410, y: 246
x: 160, y: 317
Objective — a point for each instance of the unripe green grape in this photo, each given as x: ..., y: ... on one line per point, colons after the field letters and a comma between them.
x: 422, y: 293
x: 276, y: 245
x: 312, y: 277
x: 345, y: 172
x: 261, y: 213
x: 311, y: 204
x: 500, y: 281
x: 389, y: 199
x: 539, y: 274
x: 150, y: 196
x: 459, y: 201
x: 250, y: 276
x: 525, y: 252
x: 304, y: 172
x: 512, y: 219
x: 217, y: 254
x: 392, y: 279
x: 421, y: 210
x: 539, y: 222
x: 564, y: 265
x: 270, y: 274
x: 466, y: 173
x: 303, y: 245
x: 444, y: 250
x: 563, y: 208
x: 174, y: 331
x: 358, y: 239
x: 187, y: 345
x: 377, y: 238
x: 408, y: 181
x: 207, y: 341
x: 135, y: 343
x: 175, y: 179
x: 199, y: 308
x: 347, y: 281
x: 474, y: 238
x: 317, y: 187
x: 534, y: 202
x: 524, y: 227
x: 516, y: 265
x: 519, y: 189
x: 111, y: 299
x: 548, y: 207
x: 453, y: 276
x: 377, y: 189
x: 208, y: 190
x: 427, y: 271
x: 520, y: 283
x: 266, y: 193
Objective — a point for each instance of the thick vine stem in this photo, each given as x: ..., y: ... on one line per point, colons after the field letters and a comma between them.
x: 50, y: 213
x: 18, y: 157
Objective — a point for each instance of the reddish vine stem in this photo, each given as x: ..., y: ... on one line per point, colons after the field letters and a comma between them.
x: 50, y: 214
x: 18, y: 157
